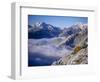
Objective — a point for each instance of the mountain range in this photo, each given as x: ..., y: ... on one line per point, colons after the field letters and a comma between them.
x: 57, y: 46
x: 43, y: 30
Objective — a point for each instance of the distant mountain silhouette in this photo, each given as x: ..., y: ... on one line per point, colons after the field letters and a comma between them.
x: 73, y: 29
x: 43, y: 30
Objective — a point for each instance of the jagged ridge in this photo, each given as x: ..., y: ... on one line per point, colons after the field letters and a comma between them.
x: 79, y: 54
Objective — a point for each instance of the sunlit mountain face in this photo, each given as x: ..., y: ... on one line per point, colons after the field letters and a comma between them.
x: 48, y: 44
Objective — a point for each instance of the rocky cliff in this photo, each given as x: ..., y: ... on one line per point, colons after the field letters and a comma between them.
x: 79, y: 54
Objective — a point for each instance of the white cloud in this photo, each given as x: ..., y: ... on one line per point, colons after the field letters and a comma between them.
x: 47, y: 49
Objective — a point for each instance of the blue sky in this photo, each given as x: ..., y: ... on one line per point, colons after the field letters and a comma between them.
x: 59, y: 21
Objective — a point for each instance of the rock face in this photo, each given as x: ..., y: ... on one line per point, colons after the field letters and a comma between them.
x: 81, y: 57
x: 79, y: 54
